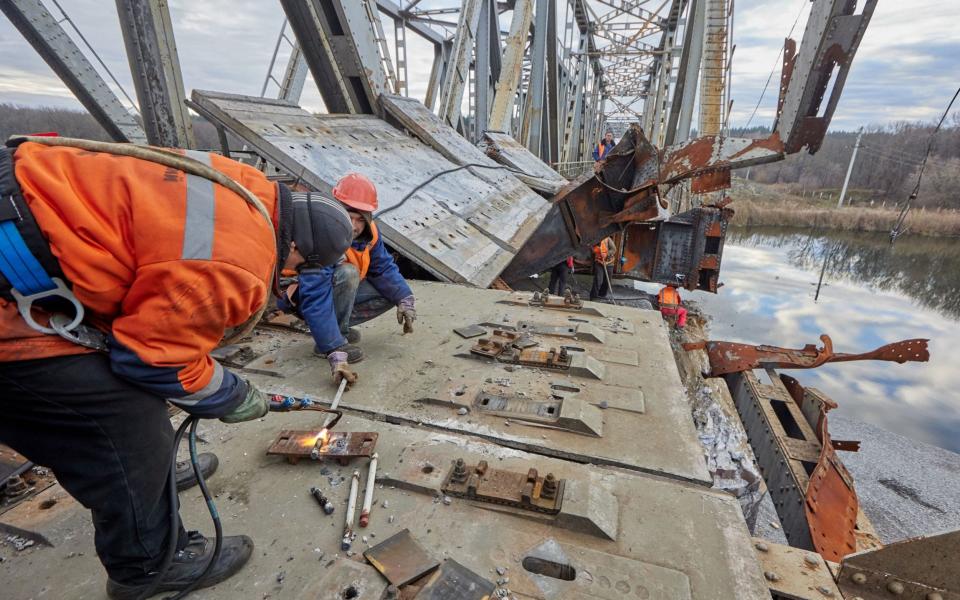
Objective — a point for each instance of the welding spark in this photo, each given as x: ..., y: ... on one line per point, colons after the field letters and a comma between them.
x: 320, y: 437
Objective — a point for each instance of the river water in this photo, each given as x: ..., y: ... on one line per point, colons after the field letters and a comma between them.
x: 873, y: 294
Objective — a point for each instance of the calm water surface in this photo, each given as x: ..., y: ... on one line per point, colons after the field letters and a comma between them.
x: 873, y: 295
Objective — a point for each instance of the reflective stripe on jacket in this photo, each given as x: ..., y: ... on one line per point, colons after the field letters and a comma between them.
x: 163, y: 261
x: 668, y: 297
x: 313, y: 297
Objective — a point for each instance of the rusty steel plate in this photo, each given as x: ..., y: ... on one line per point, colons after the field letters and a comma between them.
x: 795, y: 574
x: 453, y: 581
x: 526, y: 491
x: 730, y: 357
x: 401, y: 559
x: 341, y: 445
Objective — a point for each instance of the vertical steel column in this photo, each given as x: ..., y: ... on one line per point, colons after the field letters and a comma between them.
x: 152, y: 53
x: 340, y: 44
x: 451, y: 92
x: 512, y: 69
x: 400, y: 46
x: 55, y: 47
x: 685, y: 89
x: 551, y: 153
x: 712, y: 77
x: 482, y: 68
x: 294, y: 76
x: 532, y: 130
x: 574, y: 124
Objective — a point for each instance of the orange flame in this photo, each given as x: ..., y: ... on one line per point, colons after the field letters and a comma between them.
x: 320, y: 437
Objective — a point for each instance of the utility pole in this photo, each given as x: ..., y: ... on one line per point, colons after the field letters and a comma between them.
x: 853, y: 157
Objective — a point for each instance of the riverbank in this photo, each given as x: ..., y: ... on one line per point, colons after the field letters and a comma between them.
x: 759, y: 205
x: 774, y: 213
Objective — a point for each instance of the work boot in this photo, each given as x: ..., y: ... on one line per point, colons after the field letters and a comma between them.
x: 188, y: 564
x: 185, y: 478
x: 354, y: 353
x: 353, y: 336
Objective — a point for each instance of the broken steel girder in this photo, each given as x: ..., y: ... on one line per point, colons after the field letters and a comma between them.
x: 811, y: 490
x: 731, y: 357
x: 920, y: 567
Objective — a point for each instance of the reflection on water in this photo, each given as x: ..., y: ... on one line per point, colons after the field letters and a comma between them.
x: 872, y: 295
x: 925, y: 269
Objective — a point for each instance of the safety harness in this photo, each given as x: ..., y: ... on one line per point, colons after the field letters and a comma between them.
x: 31, y: 273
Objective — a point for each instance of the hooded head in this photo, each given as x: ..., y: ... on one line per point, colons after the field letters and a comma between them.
x: 318, y: 226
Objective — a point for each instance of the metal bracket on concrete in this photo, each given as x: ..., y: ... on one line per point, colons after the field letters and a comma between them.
x: 795, y: 574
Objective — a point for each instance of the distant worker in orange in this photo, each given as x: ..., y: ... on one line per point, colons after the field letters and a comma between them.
x: 671, y: 306
x: 602, y: 148
x: 603, y: 254
x: 334, y: 299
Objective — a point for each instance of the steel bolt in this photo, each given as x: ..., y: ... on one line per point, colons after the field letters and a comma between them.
x: 811, y: 559
x: 825, y: 590
x: 859, y: 578
x: 761, y: 547
x: 771, y: 576
x: 459, y: 471
x: 393, y: 593
x: 549, y: 489
x: 895, y: 588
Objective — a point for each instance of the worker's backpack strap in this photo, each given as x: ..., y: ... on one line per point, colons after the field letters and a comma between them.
x: 30, y: 271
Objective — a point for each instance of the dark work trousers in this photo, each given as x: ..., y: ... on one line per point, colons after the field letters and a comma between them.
x: 109, y: 444
x: 558, y: 278
x: 600, y: 285
x: 355, y: 301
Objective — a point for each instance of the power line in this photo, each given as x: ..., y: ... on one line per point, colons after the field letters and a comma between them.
x: 898, y: 226
x: 803, y: 6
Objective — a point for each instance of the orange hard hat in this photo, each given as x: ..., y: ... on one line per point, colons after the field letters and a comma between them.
x: 357, y: 192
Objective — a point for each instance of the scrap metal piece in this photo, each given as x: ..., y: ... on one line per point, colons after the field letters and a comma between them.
x: 470, y: 331
x: 731, y: 357
x: 795, y: 574
x: 583, y: 333
x: 525, y: 491
x: 515, y: 348
x: 569, y: 414
x: 342, y: 445
x: 401, y: 559
x: 453, y: 581
x: 920, y: 567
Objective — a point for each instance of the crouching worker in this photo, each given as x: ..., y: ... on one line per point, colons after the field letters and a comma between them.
x: 671, y: 307
x: 364, y: 285
x: 162, y: 253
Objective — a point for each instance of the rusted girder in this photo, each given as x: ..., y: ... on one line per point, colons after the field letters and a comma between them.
x: 731, y: 357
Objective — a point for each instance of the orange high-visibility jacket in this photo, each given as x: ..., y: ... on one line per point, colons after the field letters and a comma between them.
x: 668, y: 297
x: 164, y: 262
x: 360, y: 257
x: 601, y: 252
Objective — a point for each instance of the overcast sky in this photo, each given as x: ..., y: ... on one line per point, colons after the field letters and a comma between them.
x: 907, y: 68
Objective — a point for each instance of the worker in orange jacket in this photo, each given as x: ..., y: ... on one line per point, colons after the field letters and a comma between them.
x: 333, y: 300
x: 162, y: 254
x: 603, y: 254
x: 671, y: 306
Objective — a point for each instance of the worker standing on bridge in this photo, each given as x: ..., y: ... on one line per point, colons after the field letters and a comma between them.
x: 162, y: 254
x: 364, y: 285
x: 603, y: 254
x: 671, y: 306
x: 603, y: 147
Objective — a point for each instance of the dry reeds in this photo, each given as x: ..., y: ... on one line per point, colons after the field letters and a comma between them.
x: 857, y: 218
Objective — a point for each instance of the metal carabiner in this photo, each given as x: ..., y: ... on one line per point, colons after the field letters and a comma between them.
x: 25, y: 305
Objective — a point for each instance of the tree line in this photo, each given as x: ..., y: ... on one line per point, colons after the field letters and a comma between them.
x: 886, y: 168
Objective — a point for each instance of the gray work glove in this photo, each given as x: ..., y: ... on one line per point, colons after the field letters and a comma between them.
x: 340, y: 369
x: 407, y: 314
x: 255, y: 404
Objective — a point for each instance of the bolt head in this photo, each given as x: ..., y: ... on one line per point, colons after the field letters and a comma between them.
x: 859, y: 578
x: 761, y: 547
x: 811, y: 559
x: 771, y: 576
x: 825, y: 590
x: 895, y: 588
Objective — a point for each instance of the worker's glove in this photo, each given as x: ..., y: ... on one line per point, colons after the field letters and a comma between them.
x: 254, y: 406
x: 407, y: 314
x: 340, y: 369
